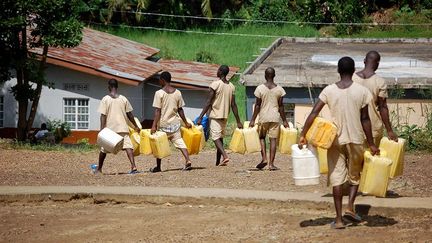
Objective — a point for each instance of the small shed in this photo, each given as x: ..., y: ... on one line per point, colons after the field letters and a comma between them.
x: 304, y: 66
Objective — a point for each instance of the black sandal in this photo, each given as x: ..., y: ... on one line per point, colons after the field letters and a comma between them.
x: 155, y: 170
x: 261, y: 165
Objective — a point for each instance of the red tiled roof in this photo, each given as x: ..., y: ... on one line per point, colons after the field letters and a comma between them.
x: 193, y: 73
x: 107, y: 55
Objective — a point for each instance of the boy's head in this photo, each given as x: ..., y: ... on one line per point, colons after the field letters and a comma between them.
x: 43, y: 126
x: 112, y: 84
x: 165, y: 78
x: 223, y: 71
x: 269, y: 73
x: 346, y: 66
x: 372, y: 59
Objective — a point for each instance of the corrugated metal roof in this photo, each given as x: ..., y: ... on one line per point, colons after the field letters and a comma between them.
x: 193, y: 73
x: 108, y: 54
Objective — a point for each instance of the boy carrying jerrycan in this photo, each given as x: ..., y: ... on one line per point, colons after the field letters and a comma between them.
x: 168, y: 103
x: 348, y: 104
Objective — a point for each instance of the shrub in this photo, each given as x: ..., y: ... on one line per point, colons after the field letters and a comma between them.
x: 271, y: 10
x: 59, y: 128
x: 205, y: 56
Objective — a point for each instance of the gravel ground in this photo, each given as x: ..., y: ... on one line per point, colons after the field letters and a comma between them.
x: 28, y: 167
x: 83, y: 221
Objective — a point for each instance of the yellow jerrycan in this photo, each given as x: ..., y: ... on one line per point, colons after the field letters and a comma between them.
x: 374, y: 178
x: 246, y: 124
x: 395, y: 152
x: 322, y: 158
x: 287, y: 137
x: 252, y: 141
x: 160, y: 145
x: 237, y: 144
x: 203, y: 141
x: 145, y: 142
x: 192, y: 138
x: 321, y: 133
x: 135, y: 138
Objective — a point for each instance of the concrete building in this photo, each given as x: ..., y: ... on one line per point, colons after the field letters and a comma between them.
x: 79, y: 79
x: 305, y: 66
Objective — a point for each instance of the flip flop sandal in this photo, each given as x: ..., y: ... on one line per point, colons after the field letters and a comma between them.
x: 334, y: 226
x: 155, y: 170
x: 261, y: 165
x: 132, y: 172
x: 224, y: 162
x: 187, y: 167
x: 353, y: 217
x: 273, y: 168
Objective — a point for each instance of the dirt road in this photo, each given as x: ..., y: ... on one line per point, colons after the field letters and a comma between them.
x: 26, y: 167
x: 83, y: 221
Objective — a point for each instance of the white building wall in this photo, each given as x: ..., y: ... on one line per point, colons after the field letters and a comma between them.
x: 51, y: 101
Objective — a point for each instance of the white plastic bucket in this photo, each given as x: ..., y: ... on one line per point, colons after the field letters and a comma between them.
x: 110, y: 141
x: 305, y: 166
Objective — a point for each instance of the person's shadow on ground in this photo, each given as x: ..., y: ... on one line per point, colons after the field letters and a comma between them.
x: 363, y: 211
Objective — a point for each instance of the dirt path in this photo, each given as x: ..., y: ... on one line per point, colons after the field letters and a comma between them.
x: 83, y: 221
x: 26, y: 167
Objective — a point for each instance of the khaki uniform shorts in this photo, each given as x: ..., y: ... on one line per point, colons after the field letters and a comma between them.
x: 217, y: 128
x: 176, y: 139
x: 127, y: 143
x: 270, y: 129
x: 345, y: 163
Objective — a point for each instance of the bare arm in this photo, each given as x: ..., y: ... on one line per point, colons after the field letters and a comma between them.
x: 156, y: 119
x: 183, y: 117
x: 256, y: 112
x: 282, y: 112
x: 207, y: 105
x: 132, y: 120
x: 103, y: 119
x: 367, y: 128
x: 384, y: 112
x: 235, y: 112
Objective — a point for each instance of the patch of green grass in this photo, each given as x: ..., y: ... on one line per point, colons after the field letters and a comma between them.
x: 75, y: 148
x: 401, y: 32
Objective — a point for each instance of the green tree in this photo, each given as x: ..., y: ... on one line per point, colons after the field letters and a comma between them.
x: 38, y: 24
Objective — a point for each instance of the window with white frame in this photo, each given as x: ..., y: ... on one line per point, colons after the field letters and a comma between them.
x: 76, y: 113
x: 1, y: 111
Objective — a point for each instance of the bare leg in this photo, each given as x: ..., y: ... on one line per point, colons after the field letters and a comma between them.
x: 102, y: 157
x: 130, y: 155
x: 352, y: 197
x: 263, y: 150
x: 218, y: 156
x: 185, y: 155
x: 220, y: 148
x: 272, y: 153
x: 337, y: 198
x: 158, y: 166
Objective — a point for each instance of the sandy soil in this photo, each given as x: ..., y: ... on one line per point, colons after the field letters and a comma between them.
x: 83, y: 221
x: 25, y: 167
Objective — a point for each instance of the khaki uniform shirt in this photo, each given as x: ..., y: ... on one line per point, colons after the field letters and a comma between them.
x: 115, y: 109
x: 345, y: 107
x: 377, y: 86
x: 269, y: 103
x: 169, y: 105
x: 222, y: 101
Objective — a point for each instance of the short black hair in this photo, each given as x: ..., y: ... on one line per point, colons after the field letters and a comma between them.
x: 346, y: 65
x: 112, y: 83
x: 166, y: 76
x: 270, y: 72
x: 224, y: 70
x: 43, y: 126
x: 373, y: 56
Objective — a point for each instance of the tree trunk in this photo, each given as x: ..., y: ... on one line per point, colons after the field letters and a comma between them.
x: 39, y: 86
x: 21, y: 81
